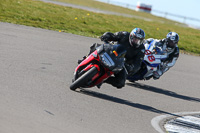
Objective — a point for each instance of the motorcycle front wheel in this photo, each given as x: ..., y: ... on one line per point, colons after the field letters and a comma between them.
x: 84, y: 78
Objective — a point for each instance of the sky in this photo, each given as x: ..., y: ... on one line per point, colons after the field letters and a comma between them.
x: 187, y: 8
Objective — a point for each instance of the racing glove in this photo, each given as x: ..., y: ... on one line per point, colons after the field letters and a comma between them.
x: 106, y: 37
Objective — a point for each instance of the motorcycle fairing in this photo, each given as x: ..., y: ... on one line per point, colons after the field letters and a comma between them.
x: 87, y: 64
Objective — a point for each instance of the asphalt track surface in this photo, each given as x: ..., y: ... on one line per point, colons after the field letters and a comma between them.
x: 36, y: 68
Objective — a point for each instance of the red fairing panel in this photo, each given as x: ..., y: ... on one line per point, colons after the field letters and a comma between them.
x: 89, y: 59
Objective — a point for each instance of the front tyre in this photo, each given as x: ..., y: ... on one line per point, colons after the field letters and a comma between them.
x: 84, y: 78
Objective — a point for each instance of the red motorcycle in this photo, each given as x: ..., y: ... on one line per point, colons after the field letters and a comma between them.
x: 106, y: 60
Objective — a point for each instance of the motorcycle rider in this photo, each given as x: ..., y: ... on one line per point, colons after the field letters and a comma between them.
x: 170, y: 46
x: 133, y: 43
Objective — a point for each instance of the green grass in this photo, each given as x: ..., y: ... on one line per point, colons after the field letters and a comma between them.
x: 76, y: 21
x: 113, y: 8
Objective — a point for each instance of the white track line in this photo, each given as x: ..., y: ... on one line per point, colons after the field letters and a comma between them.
x: 155, y: 122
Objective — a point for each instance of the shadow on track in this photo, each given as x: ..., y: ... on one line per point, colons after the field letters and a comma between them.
x: 122, y: 101
x: 162, y: 91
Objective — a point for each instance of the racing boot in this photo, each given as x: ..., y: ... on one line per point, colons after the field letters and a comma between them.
x: 99, y: 85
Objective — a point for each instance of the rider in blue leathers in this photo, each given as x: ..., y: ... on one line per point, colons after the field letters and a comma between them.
x: 170, y: 45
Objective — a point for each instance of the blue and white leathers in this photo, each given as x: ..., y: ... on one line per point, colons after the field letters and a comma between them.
x: 154, y: 57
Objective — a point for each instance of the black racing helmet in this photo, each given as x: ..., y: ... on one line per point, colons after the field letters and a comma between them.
x: 136, y: 37
x: 172, y: 39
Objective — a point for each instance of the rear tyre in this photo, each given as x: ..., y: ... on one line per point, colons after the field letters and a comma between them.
x: 84, y: 78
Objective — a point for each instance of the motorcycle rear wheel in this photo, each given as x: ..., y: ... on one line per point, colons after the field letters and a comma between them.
x: 84, y: 78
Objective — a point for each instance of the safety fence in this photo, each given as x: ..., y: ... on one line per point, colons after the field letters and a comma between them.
x: 161, y: 13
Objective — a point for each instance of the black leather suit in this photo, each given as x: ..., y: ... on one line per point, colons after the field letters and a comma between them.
x: 134, y: 56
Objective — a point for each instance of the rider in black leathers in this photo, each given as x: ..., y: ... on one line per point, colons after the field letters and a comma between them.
x: 133, y: 43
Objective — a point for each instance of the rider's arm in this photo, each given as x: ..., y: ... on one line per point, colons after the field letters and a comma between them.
x: 137, y: 61
x: 118, y: 36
